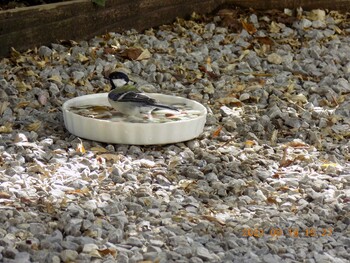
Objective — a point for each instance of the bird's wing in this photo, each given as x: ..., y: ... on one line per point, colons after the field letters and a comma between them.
x: 131, y: 96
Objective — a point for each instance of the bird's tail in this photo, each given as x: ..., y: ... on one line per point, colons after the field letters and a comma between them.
x: 163, y: 106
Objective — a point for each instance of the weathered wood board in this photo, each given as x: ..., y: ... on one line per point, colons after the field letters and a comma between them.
x: 342, y: 5
x: 24, y: 28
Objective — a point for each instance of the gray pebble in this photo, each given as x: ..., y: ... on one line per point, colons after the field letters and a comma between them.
x: 68, y: 255
x: 44, y: 51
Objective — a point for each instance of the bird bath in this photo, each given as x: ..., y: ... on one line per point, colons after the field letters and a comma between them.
x: 137, y: 133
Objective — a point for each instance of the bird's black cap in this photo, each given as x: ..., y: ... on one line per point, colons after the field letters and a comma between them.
x: 118, y: 75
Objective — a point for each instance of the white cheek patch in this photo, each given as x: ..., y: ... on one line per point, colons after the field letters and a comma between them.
x: 119, y: 82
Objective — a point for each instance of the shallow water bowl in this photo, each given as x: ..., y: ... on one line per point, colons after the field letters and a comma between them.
x: 122, y: 132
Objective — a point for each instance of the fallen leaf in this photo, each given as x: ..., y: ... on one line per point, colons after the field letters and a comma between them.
x: 275, y: 27
x: 56, y: 78
x: 144, y: 55
x: 131, y: 53
x: 230, y: 101
x: 249, y: 27
x: 271, y: 200
x: 184, y: 184
x: 41, y: 64
x: 31, y: 73
x: 38, y: 167
x: 7, y: 128
x: 25, y: 200
x: 296, y: 144
x: 216, y: 133
x: 5, y: 195
x: 326, y: 165
x: 82, y: 58
x: 109, y: 50
x: 82, y: 191
x: 299, y: 98
x: 249, y: 143
x: 14, y: 53
x: 214, y: 219
x: 22, y: 104
x: 107, y: 251
x: 317, y: 14
x: 98, y: 149
x: 22, y: 86
x: 276, y: 176
x: 110, y: 156
x: 264, y: 40
x: 80, y: 148
x: 35, y: 126
x: 207, y: 70
x: 283, y: 188
x: 135, y: 54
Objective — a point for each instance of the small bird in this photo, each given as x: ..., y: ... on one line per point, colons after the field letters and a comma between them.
x: 128, y: 100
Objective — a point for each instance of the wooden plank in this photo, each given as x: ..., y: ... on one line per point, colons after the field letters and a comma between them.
x: 341, y: 5
x: 24, y: 28
x: 28, y: 27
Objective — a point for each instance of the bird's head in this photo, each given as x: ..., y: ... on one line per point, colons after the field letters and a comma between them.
x: 118, y: 79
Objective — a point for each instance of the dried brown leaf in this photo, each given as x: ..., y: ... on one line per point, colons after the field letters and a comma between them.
x: 230, y: 101
x: 144, y: 55
x: 83, y: 191
x: 275, y: 27
x: 249, y: 27
x: 214, y: 219
x: 7, y: 128
x: 80, y: 148
x: 82, y: 58
x: 208, y: 70
x: 297, y: 144
x: 22, y: 86
x: 56, y: 78
x: 98, y: 149
x: 131, y: 53
x: 4, y: 195
x: 216, y: 133
x: 110, y: 50
x: 276, y: 176
x: 25, y: 200
x: 39, y: 167
x: 184, y: 184
x: 14, y: 53
x: 107, y: 251
x: 283, y: 188
x: 35, y: 126
x: 22, y: 104
x: 264, y: 40
x: 271, y: 200
x: 31, y: 73
x: 110, y: 156
x: 41, y: 64
x: 249, y: 143
x: 135, y: 54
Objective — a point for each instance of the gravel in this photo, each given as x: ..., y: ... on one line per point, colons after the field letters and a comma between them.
x: 267, y: 181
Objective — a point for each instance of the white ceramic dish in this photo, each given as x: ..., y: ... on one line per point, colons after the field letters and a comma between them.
x: 133, y: 133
